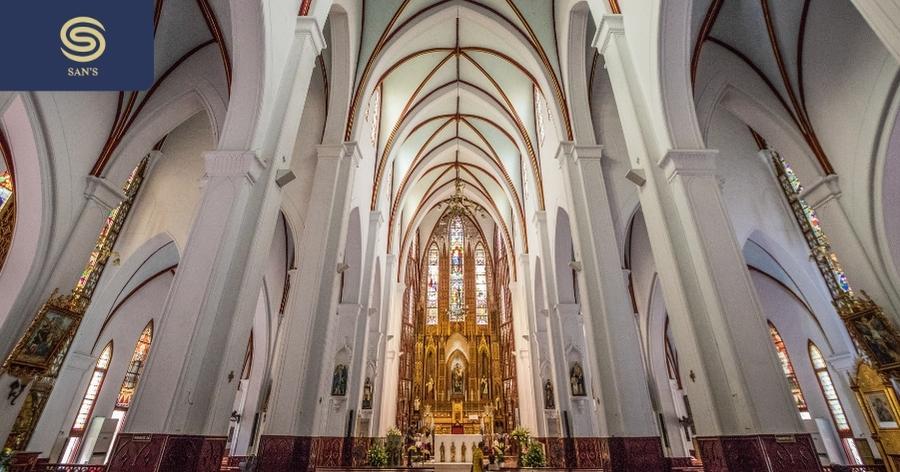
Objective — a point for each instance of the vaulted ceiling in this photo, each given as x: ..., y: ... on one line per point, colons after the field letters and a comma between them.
x: 182, y: 29
x: 454, y: 84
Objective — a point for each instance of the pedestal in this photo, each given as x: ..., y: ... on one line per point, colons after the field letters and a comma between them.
x: 759, y: 453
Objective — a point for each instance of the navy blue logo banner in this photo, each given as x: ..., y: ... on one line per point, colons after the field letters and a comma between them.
x: 76, y: 44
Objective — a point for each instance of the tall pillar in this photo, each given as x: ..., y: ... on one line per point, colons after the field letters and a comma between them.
x: 191, y: 377
x: 617, y: 346
x: 382, y: 390
x: 741, y: 407
x: 296, y: 389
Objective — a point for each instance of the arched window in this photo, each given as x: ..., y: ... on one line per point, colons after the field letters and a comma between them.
x: 457, y: 252
x: 834, y: 403
x: 431, y: 315
x: 6, y: 188
x: 135, y: 368
x: 481, y: 286
x: 132, y: 376
x: 87, y: 405
x: 788, y: 367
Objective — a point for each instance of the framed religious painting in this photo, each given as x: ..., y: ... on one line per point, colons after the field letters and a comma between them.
x: 877, y: 337
x: 882, y: 411
x: 43, y: 340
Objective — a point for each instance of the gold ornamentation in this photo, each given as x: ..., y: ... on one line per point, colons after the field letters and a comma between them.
x: 7, y: 226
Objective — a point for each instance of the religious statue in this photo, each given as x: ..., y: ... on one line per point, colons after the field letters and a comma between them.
x: 549, y: 399
x: 453, y: 452
x: 484, y: 387
x: 339, y: 381
x: 462, y: 456
x: 367, y: 395
x: 416, y: 404
x: 443, y: 455
x: 576, y: 380
x: 429, y: 387
x: 457, y: 379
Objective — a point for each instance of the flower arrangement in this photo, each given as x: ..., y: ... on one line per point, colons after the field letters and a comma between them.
x: 533, y: 456
x: 5, y: 458
x: 394, y: 446
x: 377, y: 455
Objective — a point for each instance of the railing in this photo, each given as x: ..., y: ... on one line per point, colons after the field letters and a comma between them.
x: 856, y: 468
x: 69, y: 468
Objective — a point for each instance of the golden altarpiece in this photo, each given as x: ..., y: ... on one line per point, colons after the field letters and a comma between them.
x: 460, y: 376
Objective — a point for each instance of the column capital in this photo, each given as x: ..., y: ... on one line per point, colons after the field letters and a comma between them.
x: 822, y: 191
x: 308, y: 27
x: 231, y: 164
x: 611, y: 25
x: 347, y: 150
x: 376, y: 218
x: 539, y: 217
x: 103, y: 192
x: 575, y: 153
x: 689, y: 162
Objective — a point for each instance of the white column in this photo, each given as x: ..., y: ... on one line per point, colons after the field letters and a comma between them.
x: 567, y: 340
x: 302, y: 356
x: 384, y: 402
x: 191, y: 378
x: 183, y: 373
x: 616, y: 344
x: 732, y: 376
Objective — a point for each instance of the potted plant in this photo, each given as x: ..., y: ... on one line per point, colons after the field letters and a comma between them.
x: 377, y: 455
x: 5, y: 458
x: 522, y: 437
x: 394, y: 446
x: 533, y: 456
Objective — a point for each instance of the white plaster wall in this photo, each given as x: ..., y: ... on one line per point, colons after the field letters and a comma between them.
x: 168, y: 199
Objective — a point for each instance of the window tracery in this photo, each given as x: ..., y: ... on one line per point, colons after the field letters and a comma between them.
x: 431, y: 315
x: 788, y: 367
x: 88, y: 402
x: 457, y: 312
x: 481, y: 286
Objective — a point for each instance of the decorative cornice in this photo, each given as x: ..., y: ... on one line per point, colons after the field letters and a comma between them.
x: 376, y: 218
x: 346, y: 150
x: 610, y: 25
x: 689, y: 162
x: 568, y: 150
x: 230, y: 164
x: 101, y: 191
x: 308, y: 26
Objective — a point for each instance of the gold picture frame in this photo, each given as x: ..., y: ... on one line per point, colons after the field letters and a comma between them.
x: 875, y: 334
x: 45, y: 337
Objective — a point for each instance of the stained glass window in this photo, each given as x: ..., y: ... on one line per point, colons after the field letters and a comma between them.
x: 431, y: 315
x: 824, y: 377
x: 135, y: 368
x: 826, y: 260
x: 539, y: 116
x: 457, y: 251
x: 6, y: 188
x: 481, y: 286
x: 789, y: 373
x: 110, y: 232
x: 374, y: 114
x: 834, y: 404
x: 87, y: 404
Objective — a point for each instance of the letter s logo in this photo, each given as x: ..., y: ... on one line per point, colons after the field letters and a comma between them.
x: 82, y: 39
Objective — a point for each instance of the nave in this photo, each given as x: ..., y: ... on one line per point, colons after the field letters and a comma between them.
x: 454, y: 235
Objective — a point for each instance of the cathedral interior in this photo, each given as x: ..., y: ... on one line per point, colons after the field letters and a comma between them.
x: 458, y: 235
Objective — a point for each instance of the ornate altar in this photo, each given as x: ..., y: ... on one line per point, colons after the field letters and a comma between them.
x: 458, y: 332
x: 878, y: 398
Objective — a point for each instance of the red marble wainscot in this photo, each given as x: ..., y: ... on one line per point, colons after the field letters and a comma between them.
x: 299, y: 453
x: 759, y: 453
x: 137, y: 452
